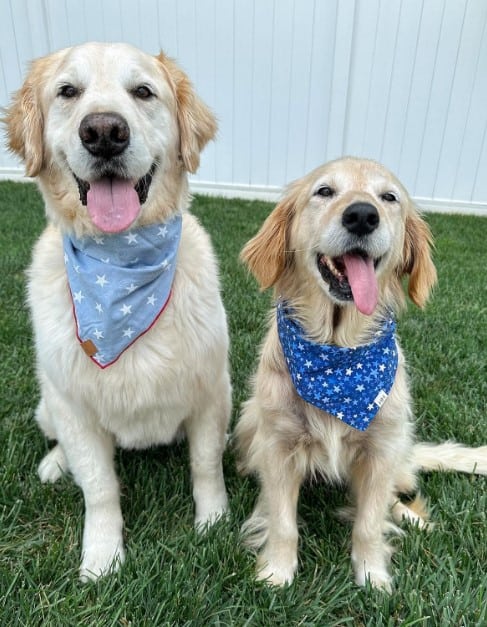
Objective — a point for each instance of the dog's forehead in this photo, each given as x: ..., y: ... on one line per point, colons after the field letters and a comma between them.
x: 355, y: 174
x: 108, y: 63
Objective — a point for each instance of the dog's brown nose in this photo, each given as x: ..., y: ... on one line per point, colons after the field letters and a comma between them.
x: 361, y: 218
x: 104, y: 134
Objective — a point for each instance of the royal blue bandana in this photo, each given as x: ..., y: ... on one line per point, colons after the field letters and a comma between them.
x: 349, y: 383
x: 120, y: 284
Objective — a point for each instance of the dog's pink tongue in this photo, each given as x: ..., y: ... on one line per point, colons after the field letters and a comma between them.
x: 361, y: 276
x: 113, y: 204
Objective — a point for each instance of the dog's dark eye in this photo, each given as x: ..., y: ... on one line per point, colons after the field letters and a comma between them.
x: 142, y: 92
x: 389, y: 197
x: 68, y: 91
x: 325, y: 191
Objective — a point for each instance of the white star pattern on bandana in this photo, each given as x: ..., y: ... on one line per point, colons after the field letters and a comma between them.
x: 355, y: 382
x: 120, y: 284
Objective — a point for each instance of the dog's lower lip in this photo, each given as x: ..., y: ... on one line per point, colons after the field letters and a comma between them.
x: 142, y: 186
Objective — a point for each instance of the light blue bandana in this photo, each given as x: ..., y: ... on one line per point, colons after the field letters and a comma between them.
x: 349, y: 383
x: 120, y: 284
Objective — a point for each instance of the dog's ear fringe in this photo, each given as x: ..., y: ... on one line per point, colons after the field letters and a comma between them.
x: 267, y: 254
x: 24, y: 122
x: 416, y: 259
x: 197, y: 124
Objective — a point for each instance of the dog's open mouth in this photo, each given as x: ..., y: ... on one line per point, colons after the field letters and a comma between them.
x: 351, y: 277
x: 114, y: 203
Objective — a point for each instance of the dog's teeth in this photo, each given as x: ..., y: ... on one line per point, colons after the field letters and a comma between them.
x: 331, y: 265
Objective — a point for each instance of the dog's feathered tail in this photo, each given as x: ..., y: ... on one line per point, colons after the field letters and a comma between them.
x: 451, y: 456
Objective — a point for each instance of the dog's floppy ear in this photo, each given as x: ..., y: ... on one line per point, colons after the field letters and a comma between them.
x: 197, y: 124
x: 25, y: 124
x: 416, y: 260
x: 267, y: 254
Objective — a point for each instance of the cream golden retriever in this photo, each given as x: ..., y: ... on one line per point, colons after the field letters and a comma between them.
x: 331, y: 395
x: 111, y: 133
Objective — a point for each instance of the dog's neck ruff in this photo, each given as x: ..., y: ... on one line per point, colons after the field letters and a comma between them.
x: 120, y: 284
x: 349, y: 383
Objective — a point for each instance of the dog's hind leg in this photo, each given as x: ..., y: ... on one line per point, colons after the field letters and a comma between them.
x: 414, y: 511
x: 44, y: 420
x: 409, y: 505
x: 53, y: 465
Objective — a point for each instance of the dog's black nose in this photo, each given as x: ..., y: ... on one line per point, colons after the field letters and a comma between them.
x: 104, y: 134
x: 361, y: 218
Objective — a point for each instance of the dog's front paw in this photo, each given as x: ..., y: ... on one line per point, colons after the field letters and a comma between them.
x: 101, y: 559
x: 378, y: 577
x: 209, y: 513
x: 53, y: 465
x: 275, y: 573
x: 370, y: 559
x: 103, y: 551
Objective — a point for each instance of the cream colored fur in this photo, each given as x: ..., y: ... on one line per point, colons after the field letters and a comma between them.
x: 175, y: 377
x: 282, y: 438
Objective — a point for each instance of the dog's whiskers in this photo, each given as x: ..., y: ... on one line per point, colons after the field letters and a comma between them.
x: 302, y: 250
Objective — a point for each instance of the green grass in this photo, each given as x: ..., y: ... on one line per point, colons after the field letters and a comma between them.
x: 173, y: 576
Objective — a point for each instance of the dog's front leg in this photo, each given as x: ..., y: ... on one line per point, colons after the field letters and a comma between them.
x: 280, y: 483
x: 89, y: 450
x: 207, y: 434
x: 93, y: 470
x: 372, y: 485
x: 103, y: 550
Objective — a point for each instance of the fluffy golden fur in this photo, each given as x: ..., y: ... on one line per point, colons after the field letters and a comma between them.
x: 175, y: 378
x: 283, y: 439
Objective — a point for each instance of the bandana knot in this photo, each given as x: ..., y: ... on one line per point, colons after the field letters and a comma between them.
x: 120, y: 284
x: 349, y: 383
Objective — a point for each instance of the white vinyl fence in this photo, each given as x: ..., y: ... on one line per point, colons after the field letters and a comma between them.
x: 295, y: 83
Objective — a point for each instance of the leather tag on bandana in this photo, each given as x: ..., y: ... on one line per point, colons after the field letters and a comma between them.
x: 89, y: 348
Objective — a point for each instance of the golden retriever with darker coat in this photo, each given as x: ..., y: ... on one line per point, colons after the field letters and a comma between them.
x: 331, y: 396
